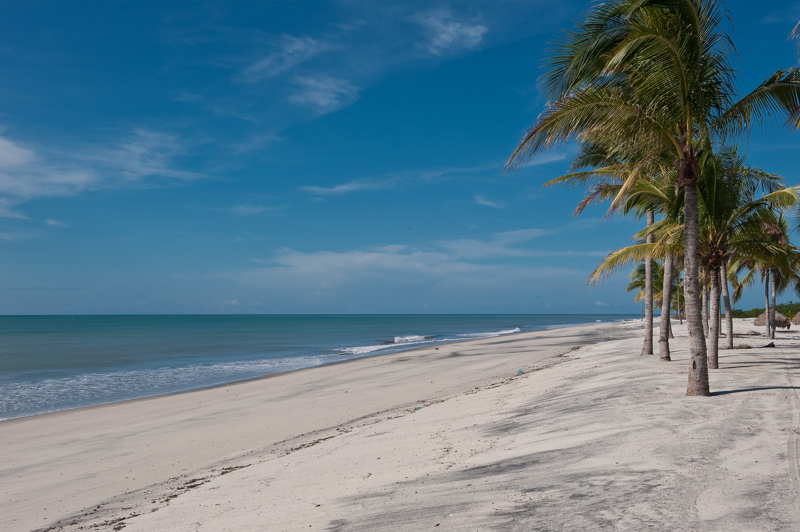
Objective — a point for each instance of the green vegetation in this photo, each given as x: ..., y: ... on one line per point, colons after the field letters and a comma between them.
x: 647, y: 89
x: 787, y: 309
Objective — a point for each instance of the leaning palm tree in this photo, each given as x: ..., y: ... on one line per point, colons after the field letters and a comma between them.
x: 654, y: 73
x: 660, y: 194
x: 606, y: 176
x: 638, y: 282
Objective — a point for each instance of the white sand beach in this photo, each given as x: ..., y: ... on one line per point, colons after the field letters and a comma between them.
x: 587, y: 436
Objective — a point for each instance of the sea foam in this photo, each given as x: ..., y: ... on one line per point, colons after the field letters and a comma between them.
x: 490, y: 334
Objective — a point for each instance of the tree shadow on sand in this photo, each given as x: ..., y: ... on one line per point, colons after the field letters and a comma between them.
x: 755, y: 389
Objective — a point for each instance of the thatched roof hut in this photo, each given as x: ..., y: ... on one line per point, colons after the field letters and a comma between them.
x: 780, y: 320
x: 796, y: 319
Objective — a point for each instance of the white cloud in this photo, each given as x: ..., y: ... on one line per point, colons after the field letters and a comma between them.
x: 544, y: 158
x: 362, y: 41
x: 7, y: 210
x: 256, y: 142
x: 323, y: 93
x: 483, y: 201
x: 520, y: 235
x: 448, y: 34
x: 502, y: 244
x: 790, y: 13
x: 290, y: 52
x: 27, y: 173
x: 497, y: 272
x: 54, y: 223
x: 13, y: 236
x: 12, y: 154
x: 347, y: 188
x: 144, y: 153
x: 332, y: 268
x: 456, y: 257
x: 399, y: 178
x: 251, y: 210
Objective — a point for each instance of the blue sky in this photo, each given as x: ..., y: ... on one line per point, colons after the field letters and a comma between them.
x: 333, y: 156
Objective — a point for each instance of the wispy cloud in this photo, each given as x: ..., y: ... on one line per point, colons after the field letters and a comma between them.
x: 504, y: 244
x: 347, y: 188
x: 360, y: 43
x: 447, y: 34
x: 142, y: 154
x: 27, y: 173
x: 399, y: 178
x: 337, y: 267
x: 13, y: 236
x: 787, y: 14
x: 463, y: 272
x: 8, y: 209
x: 52, y: 222
x: 545, y: 158
x: 323, y: 93
x: 24, y: 175
x: 509, y: 244
x: 520, y: 235
x: 445, y: 255
x: 483, y: 201
x: 256, y: 142
x: 290, y: 51
x: 252, y: 210
x: 13, y: 155
x: 460, y: 266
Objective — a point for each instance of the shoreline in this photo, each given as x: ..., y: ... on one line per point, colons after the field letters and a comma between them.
x: 596, y: 438
x: 457, y: 437
x: 125, y: 447
x: 287, y: 372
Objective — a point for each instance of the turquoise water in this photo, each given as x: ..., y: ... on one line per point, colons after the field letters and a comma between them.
x: 50, y: 363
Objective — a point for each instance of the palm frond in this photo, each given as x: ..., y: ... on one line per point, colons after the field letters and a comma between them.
x: 778, y: 93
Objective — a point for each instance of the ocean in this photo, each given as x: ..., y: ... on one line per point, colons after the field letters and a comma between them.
x: 51, y: 363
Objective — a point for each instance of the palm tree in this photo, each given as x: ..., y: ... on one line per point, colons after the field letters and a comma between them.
x: 661, y: 195
x: 731, y: 217
x: 608, y: 174
x: 654, y: 73
x: 638, y: 282
x: 732, y: 221
x: 775, y: 260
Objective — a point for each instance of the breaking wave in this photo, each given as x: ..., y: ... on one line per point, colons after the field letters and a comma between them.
x: 490, y: 334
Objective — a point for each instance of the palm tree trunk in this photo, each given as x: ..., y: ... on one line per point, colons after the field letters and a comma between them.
x: 704, y: 309
x: 664, y: 329
x: 772, y: 307
x: 726, y: 298
x: 713, y: 337
x: 766, y: 300
x: 698, y: 362
x: 647, y: 347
